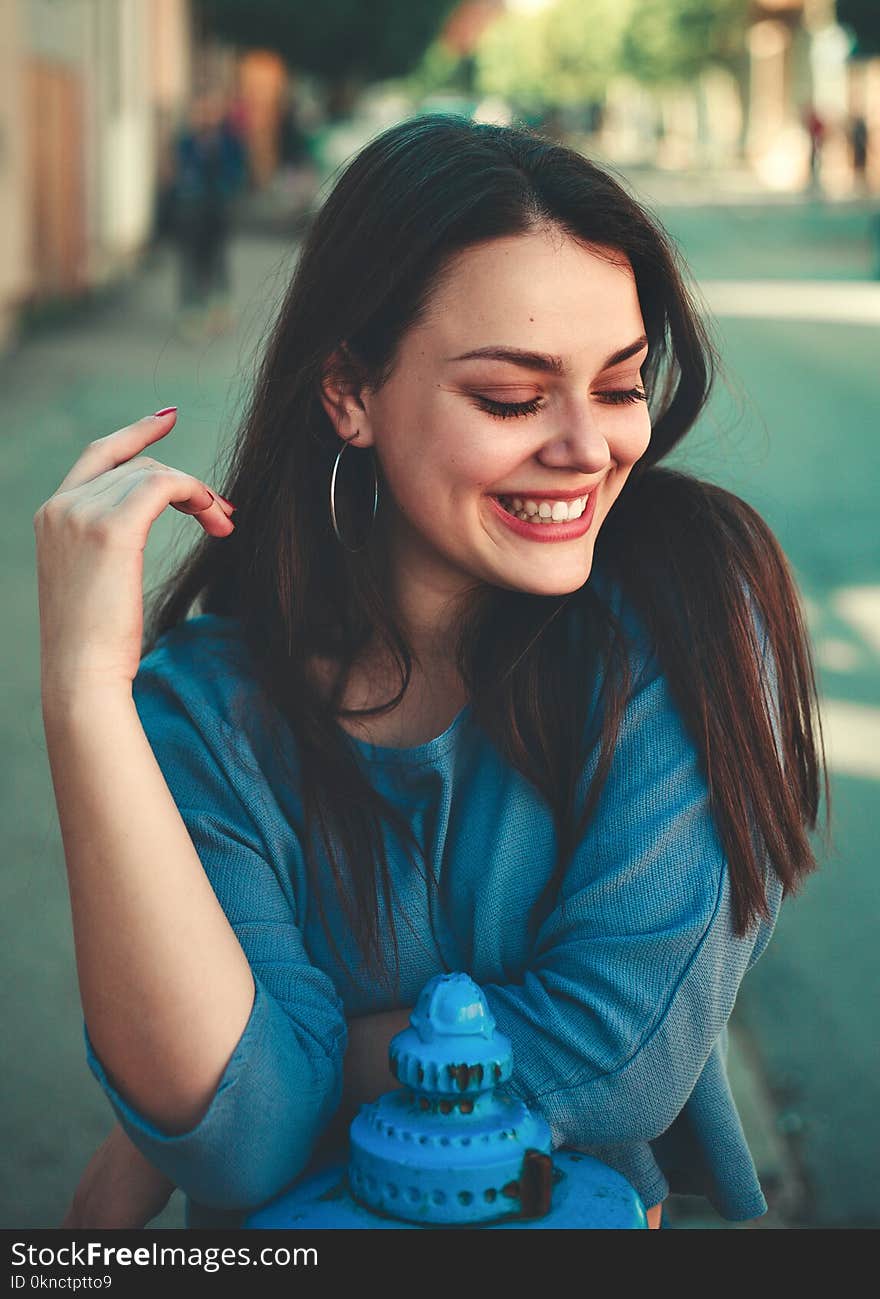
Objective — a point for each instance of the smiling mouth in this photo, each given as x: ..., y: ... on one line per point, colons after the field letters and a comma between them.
x: 529, y: 511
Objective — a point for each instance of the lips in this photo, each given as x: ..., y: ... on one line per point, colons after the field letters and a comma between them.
x: 566, y: 531
x: 528, y: 495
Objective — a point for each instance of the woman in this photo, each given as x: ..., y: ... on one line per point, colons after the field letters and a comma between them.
x: 411, y: 729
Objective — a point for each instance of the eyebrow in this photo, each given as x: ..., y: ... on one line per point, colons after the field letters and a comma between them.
x: 542, y: 360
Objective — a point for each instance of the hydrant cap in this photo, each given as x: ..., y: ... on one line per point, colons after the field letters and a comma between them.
x: 452, y: 1005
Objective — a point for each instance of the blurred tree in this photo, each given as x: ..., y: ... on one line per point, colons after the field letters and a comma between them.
x: 441, y: 68
x: 559, y: 55
x: 347, y: 43
x: 673, y: 40
x: 862, y: 17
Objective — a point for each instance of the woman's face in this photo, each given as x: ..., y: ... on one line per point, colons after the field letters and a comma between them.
x: 455, y: 432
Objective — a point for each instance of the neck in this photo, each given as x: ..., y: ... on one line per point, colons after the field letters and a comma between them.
x: 429, y: 602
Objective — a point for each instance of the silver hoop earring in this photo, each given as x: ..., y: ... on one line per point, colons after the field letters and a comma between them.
x: 351, y: 549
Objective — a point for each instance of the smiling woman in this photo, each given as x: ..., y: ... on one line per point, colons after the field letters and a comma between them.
x: 493, y: 692
x: 433, y: 423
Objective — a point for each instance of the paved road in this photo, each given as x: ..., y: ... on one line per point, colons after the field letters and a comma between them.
x: 805, y: 452
x: 796, y: 437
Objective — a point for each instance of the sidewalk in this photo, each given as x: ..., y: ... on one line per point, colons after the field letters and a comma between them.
x: 730, y: 187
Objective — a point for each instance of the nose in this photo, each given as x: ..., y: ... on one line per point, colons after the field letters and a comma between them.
x: 581, y: 444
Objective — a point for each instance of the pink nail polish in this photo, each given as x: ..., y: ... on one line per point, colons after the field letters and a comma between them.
x: 166, y: 410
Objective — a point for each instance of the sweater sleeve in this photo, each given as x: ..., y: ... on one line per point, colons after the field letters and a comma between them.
x: 283, y: 1081
x: 635, y: 972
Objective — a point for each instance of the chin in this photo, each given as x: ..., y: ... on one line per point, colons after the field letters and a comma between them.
x: 554, y: 583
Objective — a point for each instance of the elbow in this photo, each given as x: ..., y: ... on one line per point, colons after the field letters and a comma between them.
x: 263, y: 1159
x: 605, y: 1111
x: 260, y: 1128
x: 248, y: 1147
x: 656, y: 1120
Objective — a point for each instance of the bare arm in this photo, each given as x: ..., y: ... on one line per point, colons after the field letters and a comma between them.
x: 165, y: 987
x: 366, y: 1074
x: 118, y: 1189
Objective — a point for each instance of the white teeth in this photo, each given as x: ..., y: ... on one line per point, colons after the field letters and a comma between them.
x: 545, y: 511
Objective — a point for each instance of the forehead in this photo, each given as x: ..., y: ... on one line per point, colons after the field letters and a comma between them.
x: 540, y: 287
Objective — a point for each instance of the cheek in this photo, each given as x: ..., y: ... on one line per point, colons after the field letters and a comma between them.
x: 631, y: 443
x: 424, y: 478
x: 626, y: 450
x: 409, y: 460
x: 447, y: 471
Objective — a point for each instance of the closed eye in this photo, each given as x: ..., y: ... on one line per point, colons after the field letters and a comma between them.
x: 506, y: 410
x: 624, y: 396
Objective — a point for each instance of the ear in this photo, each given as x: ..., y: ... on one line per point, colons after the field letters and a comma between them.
x: 342, y: 395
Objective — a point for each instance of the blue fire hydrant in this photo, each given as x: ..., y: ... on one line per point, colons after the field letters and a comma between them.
x: 449, y: 1148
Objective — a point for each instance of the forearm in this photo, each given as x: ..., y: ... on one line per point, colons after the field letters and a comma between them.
x: 118, y: 1189
x: 366, y: 1074
x: 165, y: 987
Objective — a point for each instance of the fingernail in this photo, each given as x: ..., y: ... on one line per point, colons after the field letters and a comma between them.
x: 166, y: 410
x: 221, y: 501
x: 228, y: 504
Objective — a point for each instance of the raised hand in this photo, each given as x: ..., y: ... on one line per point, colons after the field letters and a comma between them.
x: 91, y: 535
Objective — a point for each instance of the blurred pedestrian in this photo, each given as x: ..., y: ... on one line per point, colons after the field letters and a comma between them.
x: 293, y: 140
x: 209, y: 173
x: 298, y: 176
x: 858, y: 144
x: 815, y: 128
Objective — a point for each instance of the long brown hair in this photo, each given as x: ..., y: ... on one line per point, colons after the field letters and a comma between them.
x: 695, y: 561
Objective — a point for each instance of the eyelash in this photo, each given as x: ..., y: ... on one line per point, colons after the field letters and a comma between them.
x: 505, y: 410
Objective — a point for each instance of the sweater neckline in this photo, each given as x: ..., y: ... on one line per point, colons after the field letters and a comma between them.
x: 416, y: 755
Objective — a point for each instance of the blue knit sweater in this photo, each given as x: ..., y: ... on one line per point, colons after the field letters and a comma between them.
x: 617, y: 1010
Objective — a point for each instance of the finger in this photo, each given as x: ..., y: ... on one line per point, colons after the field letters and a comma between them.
x: 114, y: 449
x: 216, y: 500
x: 200, y: 501
x: 151, y: 488
x: 143, y: 496
x: 111, y: 487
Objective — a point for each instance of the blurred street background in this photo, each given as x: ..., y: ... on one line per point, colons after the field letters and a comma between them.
x: 751, y: 129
